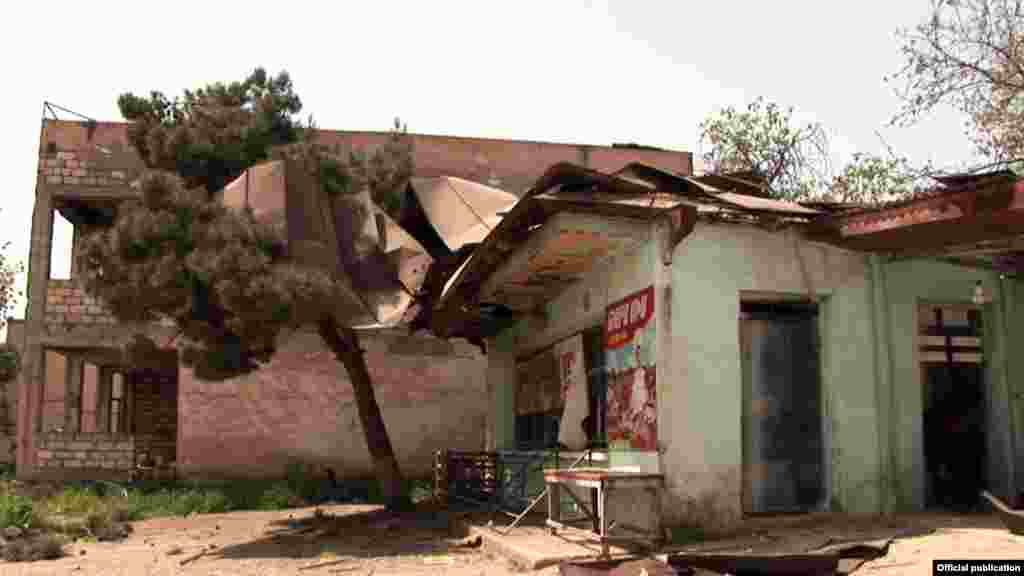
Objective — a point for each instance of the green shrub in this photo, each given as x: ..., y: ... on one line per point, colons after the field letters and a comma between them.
x: 302, y: 481
x: 104, y: 526
x: 75, y: 501
x: 279, y: 496
x: 15, y: 510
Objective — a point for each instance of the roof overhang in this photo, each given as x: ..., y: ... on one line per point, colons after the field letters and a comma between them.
x: 985, y: 220
x: 487, y: 283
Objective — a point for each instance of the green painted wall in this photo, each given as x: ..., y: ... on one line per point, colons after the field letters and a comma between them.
x: 870, y: 374
x: 851, y: 410
x: 909, y: 283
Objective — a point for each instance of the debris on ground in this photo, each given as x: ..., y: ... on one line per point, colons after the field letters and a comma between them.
x: 32, y: 547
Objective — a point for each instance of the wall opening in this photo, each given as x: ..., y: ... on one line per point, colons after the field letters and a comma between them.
x: 61, y: 247
x: 954, y: 397
x: 543, y: 406
x: 90, y: 390
x: 54, y: 392
x: 782, y: 422
x: 118, y: 423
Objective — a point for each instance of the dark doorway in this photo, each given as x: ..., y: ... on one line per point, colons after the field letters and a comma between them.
x: 953, y: 379
x: 954, y: 440
x: 783, y: 436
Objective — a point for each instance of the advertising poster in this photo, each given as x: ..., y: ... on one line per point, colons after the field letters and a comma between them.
x: 632, y: 422
x: 575, y: 400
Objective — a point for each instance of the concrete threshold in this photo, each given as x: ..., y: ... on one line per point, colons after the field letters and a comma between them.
x: 534, y: 547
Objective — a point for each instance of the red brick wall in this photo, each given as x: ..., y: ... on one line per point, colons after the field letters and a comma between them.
x: 107, y: 159
x: 301, y: 407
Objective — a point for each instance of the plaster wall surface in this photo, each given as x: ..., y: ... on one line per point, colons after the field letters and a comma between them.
x: 700, y: 385
x: 908, y: 284
x: 580, y: 307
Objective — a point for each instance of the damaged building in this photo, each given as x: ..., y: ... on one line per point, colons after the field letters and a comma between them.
x: 751, y: 355
x: 83, y: 410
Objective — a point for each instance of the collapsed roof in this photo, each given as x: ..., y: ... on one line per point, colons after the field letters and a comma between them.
x: 534, y: 253
x: 466, y: 260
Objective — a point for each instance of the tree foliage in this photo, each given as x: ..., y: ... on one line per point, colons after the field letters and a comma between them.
x: 221, y: 276
x: 969, y: 54
x: 873, y: 179
x: 792, y: 160
x: 224, y: 278
x: 8, y: 274
x: 210, y: 135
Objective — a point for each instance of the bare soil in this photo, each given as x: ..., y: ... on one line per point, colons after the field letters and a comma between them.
x: 351, y: 540
x: 363, y: 540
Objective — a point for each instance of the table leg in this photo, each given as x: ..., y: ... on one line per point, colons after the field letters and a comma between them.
x: 593, y: 508
x: 602, y: 514
x: 554, y: 503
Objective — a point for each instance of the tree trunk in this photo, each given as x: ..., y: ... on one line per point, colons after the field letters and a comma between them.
x: 344, y: 342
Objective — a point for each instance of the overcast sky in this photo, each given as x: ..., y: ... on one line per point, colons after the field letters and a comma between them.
x: 565, y: 71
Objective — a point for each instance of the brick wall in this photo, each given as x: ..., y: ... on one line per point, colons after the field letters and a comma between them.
x: 155, y: 398
x: 86, y: 451
x: 75, y: 168
x: 67, y: 303
x: 73, y: 154
x: 300, y: 407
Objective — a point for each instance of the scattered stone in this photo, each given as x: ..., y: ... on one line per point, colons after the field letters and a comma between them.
x: 81, y: 552
x: 471, y: 542
x: 175, y: 550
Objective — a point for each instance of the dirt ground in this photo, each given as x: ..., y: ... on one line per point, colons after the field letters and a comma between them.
x: 362, y: 540
x: 358, y: 540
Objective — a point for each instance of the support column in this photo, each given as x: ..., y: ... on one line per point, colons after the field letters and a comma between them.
x: 103, y: 386
x: 1002, y: 396
x: 73, y: 395
x: 30, y: 393
x: 501, y: 385
x: 883, y: 383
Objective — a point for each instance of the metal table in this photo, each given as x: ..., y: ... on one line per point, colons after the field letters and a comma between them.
x: 601, y: 482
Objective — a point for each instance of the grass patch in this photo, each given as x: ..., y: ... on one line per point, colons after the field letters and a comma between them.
x: 96, y: 510
x: 686, y: 535
x: 16, y: 511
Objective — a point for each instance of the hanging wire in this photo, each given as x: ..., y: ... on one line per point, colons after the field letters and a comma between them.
x: 52, y: 109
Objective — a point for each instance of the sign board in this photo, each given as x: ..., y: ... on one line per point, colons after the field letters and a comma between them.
x: 629, y: 333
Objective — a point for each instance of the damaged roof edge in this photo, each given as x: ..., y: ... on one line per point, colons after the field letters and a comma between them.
x: 530, y: 211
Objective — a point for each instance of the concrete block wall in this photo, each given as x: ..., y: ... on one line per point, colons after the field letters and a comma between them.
x: 77, y: 154
x: 86, y: 451
x: 67, y: 303
x: 76, y: 169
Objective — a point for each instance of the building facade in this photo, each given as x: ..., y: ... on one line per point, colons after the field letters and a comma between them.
x: 83, y: 410
x: 760, y: 366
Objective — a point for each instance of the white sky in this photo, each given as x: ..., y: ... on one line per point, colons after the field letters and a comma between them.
x: 565, y: 71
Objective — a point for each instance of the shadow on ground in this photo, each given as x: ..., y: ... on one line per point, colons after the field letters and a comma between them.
x: 370, y: 534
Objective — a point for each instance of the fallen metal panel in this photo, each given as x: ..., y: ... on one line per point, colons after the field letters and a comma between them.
x: 1012, y: 519
x: 460, y: 210
x: 758, y: 564
x: 622, y: 567
x: 766, y: 204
